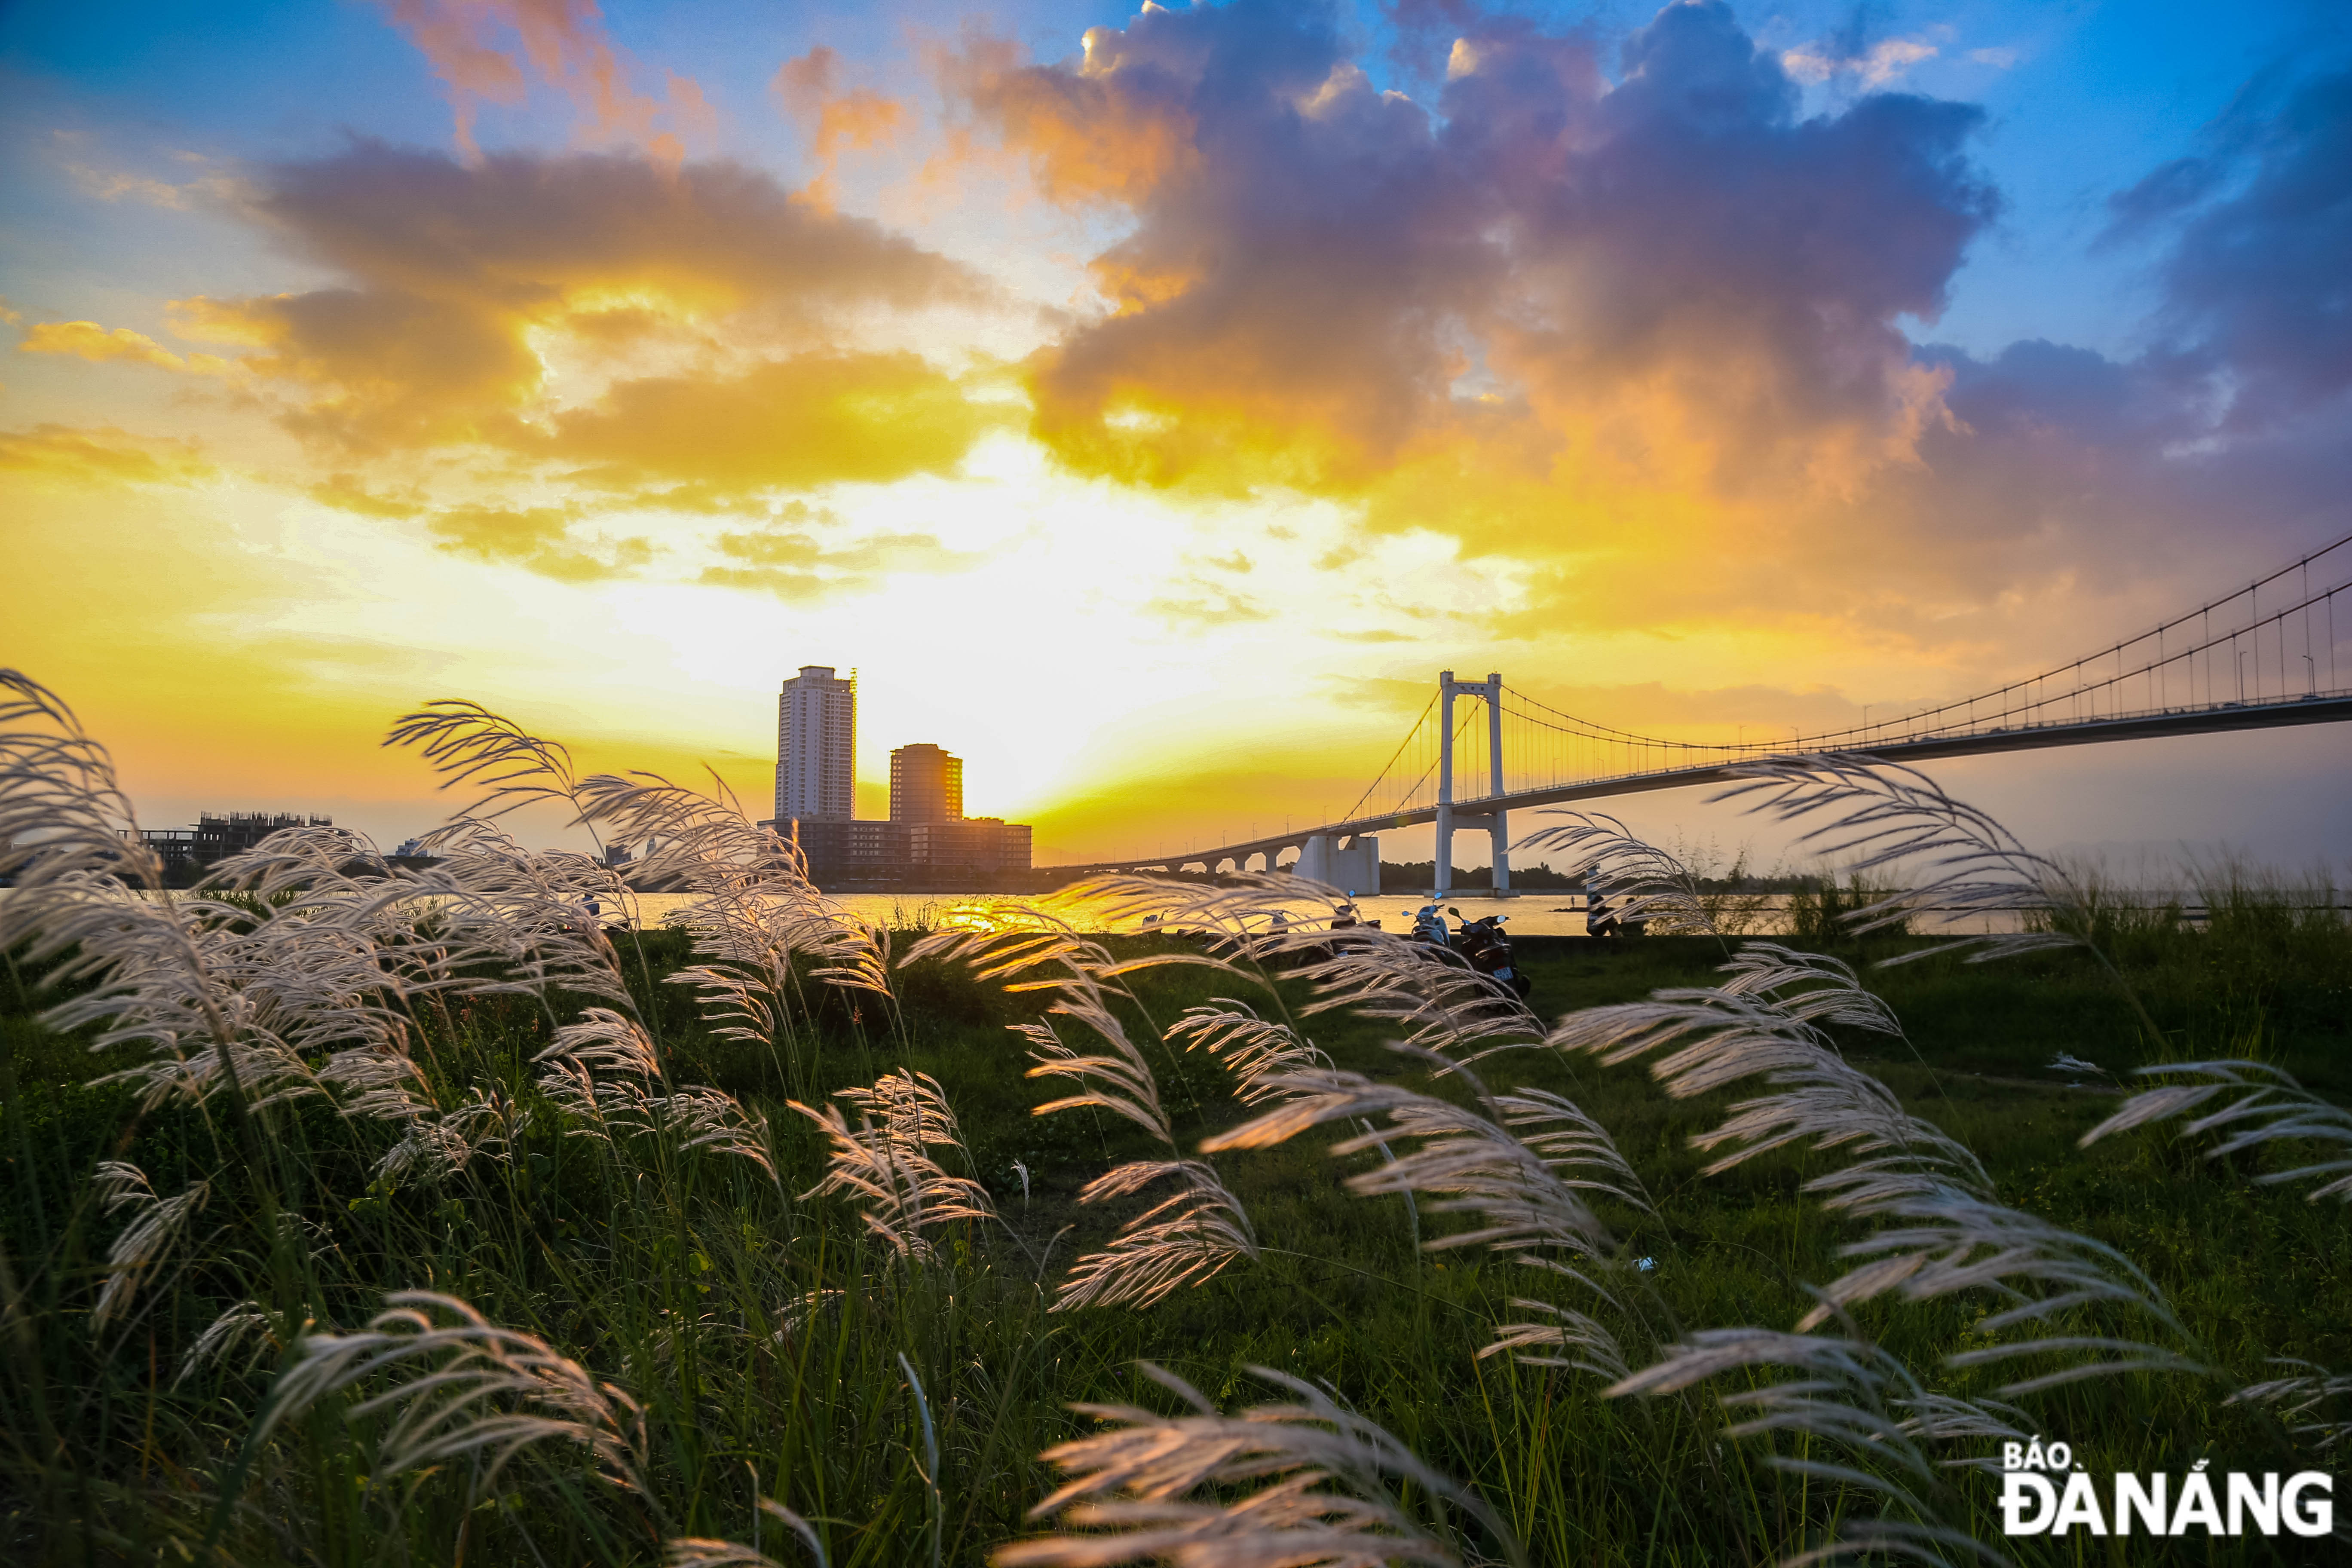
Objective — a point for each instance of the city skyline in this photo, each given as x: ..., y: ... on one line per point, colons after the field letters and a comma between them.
x: 1149, y: 403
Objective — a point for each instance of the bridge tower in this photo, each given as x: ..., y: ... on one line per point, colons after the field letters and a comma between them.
x: 1448, y: 819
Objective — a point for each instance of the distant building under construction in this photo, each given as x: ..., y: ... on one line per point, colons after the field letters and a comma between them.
x: 216, y: 837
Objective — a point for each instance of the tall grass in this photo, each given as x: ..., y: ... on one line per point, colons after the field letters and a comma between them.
x: 412, y: 1216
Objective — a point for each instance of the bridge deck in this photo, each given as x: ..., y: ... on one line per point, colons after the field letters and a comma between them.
x: 2325, y: 708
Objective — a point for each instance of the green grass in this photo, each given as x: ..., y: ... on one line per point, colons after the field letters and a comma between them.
x: 688, y: 1281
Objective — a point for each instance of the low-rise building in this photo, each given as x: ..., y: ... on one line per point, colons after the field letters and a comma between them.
x: 977, y: 848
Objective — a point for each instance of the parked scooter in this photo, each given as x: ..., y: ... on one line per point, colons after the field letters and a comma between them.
x: 1429, y: 925
x: 1481, y: 941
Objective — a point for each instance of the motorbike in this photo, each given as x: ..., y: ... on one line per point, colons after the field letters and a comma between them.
x: 1429, y: 925
x: 1481, y: 941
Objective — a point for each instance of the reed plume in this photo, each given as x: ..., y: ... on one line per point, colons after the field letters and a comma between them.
x: 1321, y: 1480
x: 1529, y: 1191
x: 157, y: 1224
x: 1571, y: 1338
x: 1186, y: 1239
x: 243, y: 1321
x: 601, y: 1071
x: 1849, y: 1396
x: 65, y: 821
x: 1642, y: 882
x: 438, y: 1143
x: 1253, y: 1049
x: 1236, y: 914
x: 1434, y: 991
x: 1957, y: 859
x: 2308, y: 1388
x: 755, y: 908
x: 890, y: 1165
x: 2271, y: 1106
x: 1951, y: 1235
x: 1200, y: 1227
x: 464, y: 1388
x: 698, y: 1551
x: 1441, y: 1003
x: 214, y: 1006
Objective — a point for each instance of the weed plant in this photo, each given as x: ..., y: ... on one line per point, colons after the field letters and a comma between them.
x: 358, y: 1213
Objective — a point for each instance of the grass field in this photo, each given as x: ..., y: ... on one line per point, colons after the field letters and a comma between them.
x: 705, y: 1332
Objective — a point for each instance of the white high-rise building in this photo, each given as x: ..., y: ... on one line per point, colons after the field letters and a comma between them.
x: 816, y: 747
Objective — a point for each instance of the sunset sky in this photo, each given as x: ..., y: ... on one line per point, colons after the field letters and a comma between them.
x: 1149, y: 405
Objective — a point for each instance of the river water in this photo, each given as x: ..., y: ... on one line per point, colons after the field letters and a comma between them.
x: 1541, y: 913
x: 1544, y: 913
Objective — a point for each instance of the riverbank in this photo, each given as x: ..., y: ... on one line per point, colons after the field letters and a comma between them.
x: 783, y: 1347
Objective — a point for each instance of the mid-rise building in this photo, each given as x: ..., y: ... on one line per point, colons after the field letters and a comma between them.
x: 926, y: 784
x: 816, y: 746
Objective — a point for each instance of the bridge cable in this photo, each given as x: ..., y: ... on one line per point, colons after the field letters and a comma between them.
x: 1383, y: 774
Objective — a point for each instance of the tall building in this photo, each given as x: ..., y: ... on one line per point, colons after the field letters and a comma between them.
x: 816, y: 746
x: 926, y: 784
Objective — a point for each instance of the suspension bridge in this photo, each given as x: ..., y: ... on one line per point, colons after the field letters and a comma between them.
x: 2264, y: 655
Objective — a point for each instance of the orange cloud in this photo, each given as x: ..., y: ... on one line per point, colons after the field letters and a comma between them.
x: 1111, y: 129
x: 88, y: 340
x: 465, y: 285
x: 799, y: 568
x: 375, y: 370
x: 1599, y: 326
x: 346, y: 493
x: 860, y: 118
x: 472, y: 46
x: 789, y: 424
x: 538, y: 539
x: 200, y: 319
x: 103, y: 456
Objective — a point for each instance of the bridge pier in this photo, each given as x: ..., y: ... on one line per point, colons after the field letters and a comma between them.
x: 1354, y: 866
